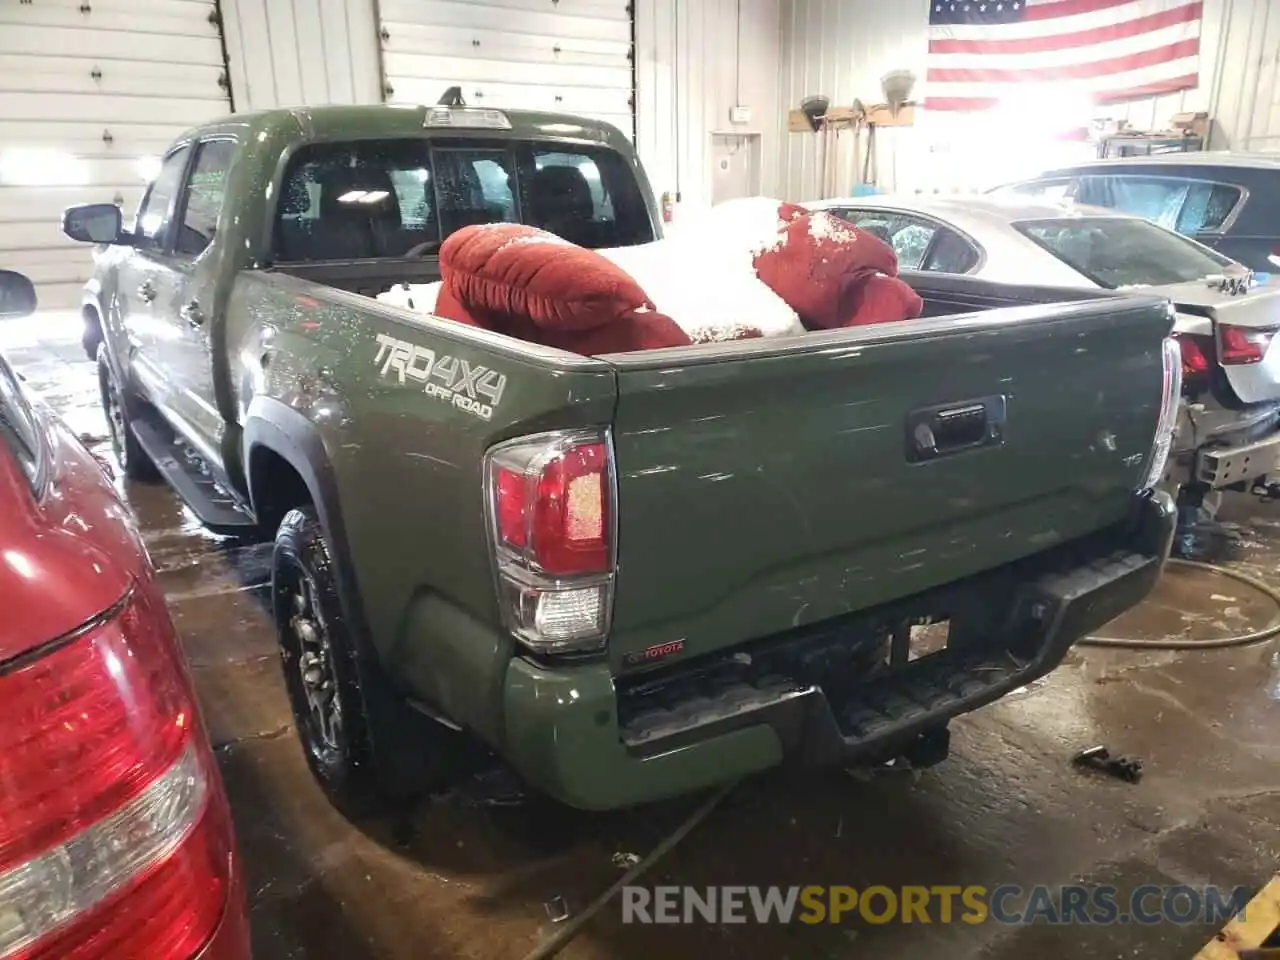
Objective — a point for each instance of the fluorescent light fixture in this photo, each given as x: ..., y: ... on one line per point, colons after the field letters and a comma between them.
x: 368, y: 197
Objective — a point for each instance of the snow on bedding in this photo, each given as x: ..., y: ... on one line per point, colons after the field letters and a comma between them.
x: 703, y: 279
x: 716, y: 278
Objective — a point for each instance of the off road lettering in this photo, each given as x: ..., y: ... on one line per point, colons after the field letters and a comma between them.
x: 452, y: 379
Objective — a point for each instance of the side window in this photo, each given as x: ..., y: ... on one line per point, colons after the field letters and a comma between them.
x: 951, y: 254
x: 156, y: 213
x: 1158, y: 199
x: 205, y: 190
x: 1207, y: 206
x: 909, y: 237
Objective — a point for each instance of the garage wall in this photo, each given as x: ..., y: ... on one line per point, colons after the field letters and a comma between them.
x: 841, y: 48
x: 90, y: 96
x: 693, y: 61
x: 570, y: 56
x: 301, y: 52
x: 697, y: 59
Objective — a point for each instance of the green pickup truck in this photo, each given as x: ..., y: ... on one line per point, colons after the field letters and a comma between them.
x: 628, y: 576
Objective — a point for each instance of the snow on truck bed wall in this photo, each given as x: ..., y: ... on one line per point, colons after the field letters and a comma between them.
x: 703, y: 277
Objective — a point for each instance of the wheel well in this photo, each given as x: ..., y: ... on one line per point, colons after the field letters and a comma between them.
x: 275, y: 487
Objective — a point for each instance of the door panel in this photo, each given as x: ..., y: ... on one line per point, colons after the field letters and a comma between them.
x: 143, y: 280
x: 193, y: 293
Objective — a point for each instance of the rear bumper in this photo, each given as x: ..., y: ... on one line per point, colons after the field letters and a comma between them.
x: 596, y: 743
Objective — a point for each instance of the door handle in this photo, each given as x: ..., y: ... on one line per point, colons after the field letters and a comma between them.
x: 192, y: 313
x: 147, y: 290
x: 935, y: 432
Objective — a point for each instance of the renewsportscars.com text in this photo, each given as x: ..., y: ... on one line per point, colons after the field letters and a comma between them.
x: 939, y: 904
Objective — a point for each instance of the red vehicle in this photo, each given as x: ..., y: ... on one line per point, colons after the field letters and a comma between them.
x: 115, y: 833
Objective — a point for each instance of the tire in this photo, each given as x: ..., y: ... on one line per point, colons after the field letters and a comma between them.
x: 369, y: 751
x: 133, y: 460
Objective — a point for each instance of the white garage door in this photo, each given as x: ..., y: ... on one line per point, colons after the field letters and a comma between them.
x: 91, y: 92
x: 565, y: 56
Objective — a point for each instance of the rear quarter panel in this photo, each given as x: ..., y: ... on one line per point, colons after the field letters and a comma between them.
x: 406, y: 464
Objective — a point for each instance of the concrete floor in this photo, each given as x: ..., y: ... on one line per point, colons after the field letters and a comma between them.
x: 466, y: 880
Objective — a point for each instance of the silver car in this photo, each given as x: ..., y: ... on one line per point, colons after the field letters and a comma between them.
x: 1227, y: 317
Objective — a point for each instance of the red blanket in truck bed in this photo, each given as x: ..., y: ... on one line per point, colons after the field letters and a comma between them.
x: 530, y: 284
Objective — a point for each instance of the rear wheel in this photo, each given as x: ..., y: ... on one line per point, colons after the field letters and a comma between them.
x: 340, y: 710
x: 132, y: 458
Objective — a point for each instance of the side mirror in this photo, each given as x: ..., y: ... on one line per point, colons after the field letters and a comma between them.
x: 17, y: 296
x: 93, y: 223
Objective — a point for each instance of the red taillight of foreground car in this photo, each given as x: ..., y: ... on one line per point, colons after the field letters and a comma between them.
x: 1242, y: 345
x: 115, y: 839
x: 550, y: 504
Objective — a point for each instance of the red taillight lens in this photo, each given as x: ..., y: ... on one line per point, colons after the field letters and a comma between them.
x: 511, y: 490
x: 1194, y: 361
x: 551, y: 506
x: 557, y: 509
x: 1242, y: 345
x: 571, y: 513
x: 111, y: 844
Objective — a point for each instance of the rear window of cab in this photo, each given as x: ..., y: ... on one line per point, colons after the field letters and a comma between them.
x: 403, y: 197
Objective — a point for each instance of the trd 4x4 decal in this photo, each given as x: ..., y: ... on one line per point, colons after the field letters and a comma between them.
x: 470, y: 387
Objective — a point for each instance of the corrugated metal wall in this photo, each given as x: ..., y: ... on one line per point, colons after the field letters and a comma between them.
x: 841, y: 48
x: 296, y: 52
x: 695, y: 60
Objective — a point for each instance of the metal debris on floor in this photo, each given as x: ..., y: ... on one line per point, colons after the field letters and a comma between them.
x: 1099, y: 758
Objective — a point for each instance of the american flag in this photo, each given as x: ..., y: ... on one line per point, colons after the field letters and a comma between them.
x: 1105, y: 51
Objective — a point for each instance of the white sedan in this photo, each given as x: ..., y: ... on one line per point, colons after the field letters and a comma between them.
x: 1226, y: 317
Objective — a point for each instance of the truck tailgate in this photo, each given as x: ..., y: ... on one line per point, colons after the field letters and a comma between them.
x: 775, y: 484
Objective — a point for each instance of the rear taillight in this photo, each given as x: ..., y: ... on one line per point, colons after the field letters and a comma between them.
x: 1195, y: 362
x: 114, y: 838
x: 1170, y: 395
x: 550, y: 505
x: 1242, y: 345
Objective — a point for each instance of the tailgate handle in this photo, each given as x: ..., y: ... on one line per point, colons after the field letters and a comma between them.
x: 935, y: 432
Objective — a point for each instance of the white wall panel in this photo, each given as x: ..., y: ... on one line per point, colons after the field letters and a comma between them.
x: 90, y: 95
x: 568, y: 56
x: 287, y: 53
x: 841, y: 48
x: 695, y: 60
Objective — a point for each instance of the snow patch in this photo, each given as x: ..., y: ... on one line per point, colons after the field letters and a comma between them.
x: 418, y: 297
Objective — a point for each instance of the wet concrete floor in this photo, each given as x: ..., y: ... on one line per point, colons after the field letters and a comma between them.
x: 474, y: 881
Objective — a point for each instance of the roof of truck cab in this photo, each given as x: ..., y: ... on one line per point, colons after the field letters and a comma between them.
x: 392, y: 120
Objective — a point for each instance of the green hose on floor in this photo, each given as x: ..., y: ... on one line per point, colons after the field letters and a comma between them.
x: 1217, y: 643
